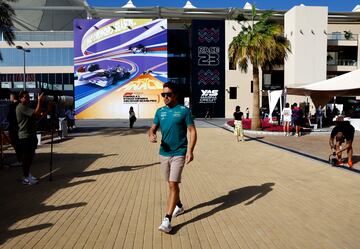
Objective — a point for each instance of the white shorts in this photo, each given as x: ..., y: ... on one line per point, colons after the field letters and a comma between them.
x: 287, y: 119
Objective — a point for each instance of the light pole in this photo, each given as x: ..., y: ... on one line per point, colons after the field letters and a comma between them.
x: 25, y: 51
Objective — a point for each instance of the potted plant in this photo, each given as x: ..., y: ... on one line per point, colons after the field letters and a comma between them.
x: 348, y: 35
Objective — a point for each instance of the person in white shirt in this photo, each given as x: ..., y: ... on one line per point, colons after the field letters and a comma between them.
x: 286, y: 113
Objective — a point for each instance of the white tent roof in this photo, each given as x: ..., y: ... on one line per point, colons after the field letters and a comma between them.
x: 356, y: 8
x: 348, y: 81
x: 129, y: 4
x: 247, y: 6
x: 189, y: 5
x: 320, y: 92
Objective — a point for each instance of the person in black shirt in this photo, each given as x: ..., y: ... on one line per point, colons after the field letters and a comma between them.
x: 14, y: 128
x: 342, y: 132
x: 238, y: 130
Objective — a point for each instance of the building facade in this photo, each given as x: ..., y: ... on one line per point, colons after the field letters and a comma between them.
x: 324, y: 47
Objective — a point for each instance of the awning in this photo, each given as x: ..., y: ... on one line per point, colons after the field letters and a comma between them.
x: 344, y: 85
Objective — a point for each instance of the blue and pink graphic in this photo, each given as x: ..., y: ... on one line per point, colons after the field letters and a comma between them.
x: 119, y: 63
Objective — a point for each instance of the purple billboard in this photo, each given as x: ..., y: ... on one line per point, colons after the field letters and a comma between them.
x: 119, y: 63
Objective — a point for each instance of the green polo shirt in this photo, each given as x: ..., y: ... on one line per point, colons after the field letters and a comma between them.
x: 26, y: 121
x: 173, y: 123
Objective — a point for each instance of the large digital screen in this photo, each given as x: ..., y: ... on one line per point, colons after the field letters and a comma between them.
x: 119, y: 63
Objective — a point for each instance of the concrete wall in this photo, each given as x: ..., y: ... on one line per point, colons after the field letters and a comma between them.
x: 306, y: 28
x: 237, y: 78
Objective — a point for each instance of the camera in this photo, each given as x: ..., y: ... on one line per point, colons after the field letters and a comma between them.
x: 65, y: 101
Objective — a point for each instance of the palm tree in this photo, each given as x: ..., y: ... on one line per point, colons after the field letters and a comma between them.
x: 261, y: 43
x: 6, y: 24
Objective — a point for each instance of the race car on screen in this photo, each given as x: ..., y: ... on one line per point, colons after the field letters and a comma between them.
x: 102, y: 77
x: 139, y: 49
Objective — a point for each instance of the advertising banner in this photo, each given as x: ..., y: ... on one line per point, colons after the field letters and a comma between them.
x: 119, y: 63
x: 208, y: 68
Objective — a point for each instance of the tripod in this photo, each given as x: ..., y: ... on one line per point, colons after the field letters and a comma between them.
x: 52, y: 122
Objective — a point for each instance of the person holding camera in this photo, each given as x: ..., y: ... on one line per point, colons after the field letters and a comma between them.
x: 26, y: 118
x: 14, y: 128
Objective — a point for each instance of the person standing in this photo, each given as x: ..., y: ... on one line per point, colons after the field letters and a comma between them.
x: 286, y: 113
x: 247, y: 113
x: 319, y: 116
x: 26, y: 118
x: 132, y: 117
x: 173, y: 120
x: 238, y: 130
x: 14, y: 128
x: 70, y: 118
x: 297, y: 119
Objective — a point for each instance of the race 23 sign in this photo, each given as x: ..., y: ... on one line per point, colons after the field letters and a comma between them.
x: 208, y: 68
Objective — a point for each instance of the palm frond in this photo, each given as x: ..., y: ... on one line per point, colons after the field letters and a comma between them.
x: 6, y: 24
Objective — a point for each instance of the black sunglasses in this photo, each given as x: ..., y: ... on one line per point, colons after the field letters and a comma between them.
x: 167, y: 95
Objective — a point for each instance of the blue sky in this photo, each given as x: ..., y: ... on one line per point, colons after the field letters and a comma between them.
x: 334, y: 5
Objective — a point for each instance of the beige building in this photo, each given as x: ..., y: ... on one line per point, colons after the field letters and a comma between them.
x: 321, y: 49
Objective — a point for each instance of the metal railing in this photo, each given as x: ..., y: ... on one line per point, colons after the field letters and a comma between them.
x: 342, y: 62
x: 339, y: 36
x: 43, y: 36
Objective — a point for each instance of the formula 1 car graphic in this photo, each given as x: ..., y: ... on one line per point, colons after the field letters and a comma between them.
x: 101, y: 77
x: 139, y: 49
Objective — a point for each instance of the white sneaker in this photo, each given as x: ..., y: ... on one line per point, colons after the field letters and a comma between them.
x: 16, y: 164
x: 29, y: 181
x: 178, y: 211
x: 165, y: 226
x: 33, y: 177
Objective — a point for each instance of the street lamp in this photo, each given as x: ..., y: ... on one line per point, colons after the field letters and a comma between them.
x: 25, y: 51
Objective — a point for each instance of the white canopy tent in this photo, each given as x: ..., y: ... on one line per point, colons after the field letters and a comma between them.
x: 321, y: 92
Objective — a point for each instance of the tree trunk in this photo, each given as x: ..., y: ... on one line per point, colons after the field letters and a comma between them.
x: 255, y: 121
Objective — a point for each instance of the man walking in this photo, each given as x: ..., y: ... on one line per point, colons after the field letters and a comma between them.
x: 174, y: 120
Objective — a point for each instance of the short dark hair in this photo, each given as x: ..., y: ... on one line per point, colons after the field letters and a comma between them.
x: 287, y: 105
x: 172, y: 86
x: 15, y: 94
x: 23, y: 93
x: 237, y: 108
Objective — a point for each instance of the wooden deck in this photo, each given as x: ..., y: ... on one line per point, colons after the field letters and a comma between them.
x: 107, y: 192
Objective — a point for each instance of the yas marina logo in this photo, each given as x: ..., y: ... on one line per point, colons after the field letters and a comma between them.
x: 209, y: 96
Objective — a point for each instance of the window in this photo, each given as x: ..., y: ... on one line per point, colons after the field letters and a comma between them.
x: 267, y: 81
x: 233, y: 92
x: 37, y: 57
x: 252, y: 86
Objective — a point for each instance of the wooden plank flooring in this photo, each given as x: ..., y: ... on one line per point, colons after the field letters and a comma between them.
x: 108, y: 192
